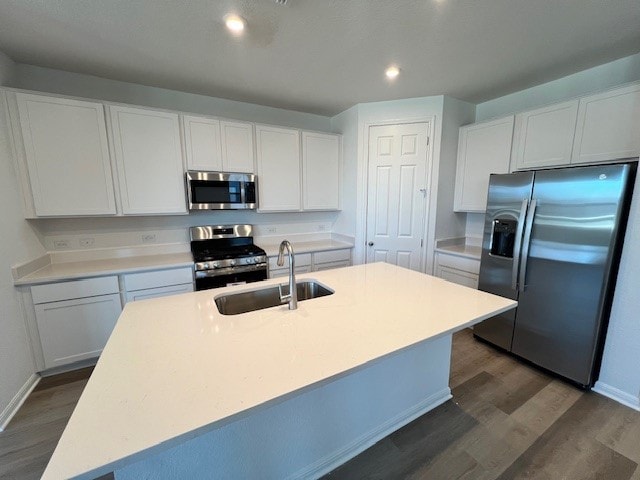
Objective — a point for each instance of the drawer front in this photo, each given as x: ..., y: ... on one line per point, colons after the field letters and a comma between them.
x: 160, y: 278
x: 301, y: 260
x: 284, y: 272
x: 332, y: 256
x: 458, y: 276
x: 459, y: 263
x: 158, y: 292
x: 89, y: 287
x: 330, y: 265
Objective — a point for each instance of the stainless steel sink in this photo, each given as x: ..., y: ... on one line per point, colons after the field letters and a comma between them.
x: 235, y: 303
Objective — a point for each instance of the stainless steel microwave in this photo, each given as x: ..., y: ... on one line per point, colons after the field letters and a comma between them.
x: 222, y: 191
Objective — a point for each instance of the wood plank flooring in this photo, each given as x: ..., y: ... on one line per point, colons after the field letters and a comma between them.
x: 507, y: 421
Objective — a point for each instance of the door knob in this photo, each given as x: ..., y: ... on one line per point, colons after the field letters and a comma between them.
x: 370, y: 244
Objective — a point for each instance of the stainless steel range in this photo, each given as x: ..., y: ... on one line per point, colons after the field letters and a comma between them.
x: 226, y: 255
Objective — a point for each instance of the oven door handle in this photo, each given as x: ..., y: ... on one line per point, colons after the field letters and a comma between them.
x: 218, y: 272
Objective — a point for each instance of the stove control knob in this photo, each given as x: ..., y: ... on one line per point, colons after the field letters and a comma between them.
x: 251, y: 260
x: 215, y: 265
x: 232, y: 262
x: 205, y: 266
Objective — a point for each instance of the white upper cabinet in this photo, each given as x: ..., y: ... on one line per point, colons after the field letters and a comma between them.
x: 218, y: 145
x: 149, y: 161
x: 483, y: 149
x: 202, y: 143
x: 67, y: 156
x: 238, y: 153
x: 608, y: 126
x: 321, y: 168
x: 278, y: 159
x: 544, y: 137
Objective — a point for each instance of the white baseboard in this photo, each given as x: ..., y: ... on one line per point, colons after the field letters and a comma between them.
x: 17, y: 401
x: 330, y: 462
x: 618, y: 395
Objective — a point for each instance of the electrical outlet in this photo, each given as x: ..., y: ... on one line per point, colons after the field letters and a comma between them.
x: 61, y: 243
x: 149, y: 238
x: 87, y: 242
x: 272, y: 230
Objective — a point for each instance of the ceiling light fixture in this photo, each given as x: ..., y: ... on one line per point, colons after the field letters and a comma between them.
x: 235, y: 23
x: 392, y: 72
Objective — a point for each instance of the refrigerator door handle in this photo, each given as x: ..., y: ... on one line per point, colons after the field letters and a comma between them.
x: 518, y: 244
x: 525, y: 244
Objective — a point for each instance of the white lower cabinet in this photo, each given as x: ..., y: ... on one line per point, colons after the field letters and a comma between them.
x: 73, y: 329
x: 161, y: 283
x: 460, y: 270
x: 312, y: 262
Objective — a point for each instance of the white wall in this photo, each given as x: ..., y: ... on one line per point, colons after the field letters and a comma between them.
x: 388, y: 112
x: 346, y: 123
x: 455, y: 114
x: 18, y: 242
x: 602, y: 77
x: 30, y: 77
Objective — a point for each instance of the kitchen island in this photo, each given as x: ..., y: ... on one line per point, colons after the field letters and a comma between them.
x: 181, y: 391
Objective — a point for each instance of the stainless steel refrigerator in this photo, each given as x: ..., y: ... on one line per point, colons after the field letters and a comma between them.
x: 552, y: 241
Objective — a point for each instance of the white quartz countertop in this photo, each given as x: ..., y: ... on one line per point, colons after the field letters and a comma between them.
x: 54, y: 272
x: 175, y: 368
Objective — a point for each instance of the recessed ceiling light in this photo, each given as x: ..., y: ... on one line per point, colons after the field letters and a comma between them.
x: 235, y: 23
x: 392, y: 72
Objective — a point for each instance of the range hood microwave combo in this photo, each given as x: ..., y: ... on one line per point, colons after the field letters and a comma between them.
x: 221, y: 190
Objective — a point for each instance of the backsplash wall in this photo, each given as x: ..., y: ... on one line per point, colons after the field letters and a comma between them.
x: 91, y: 233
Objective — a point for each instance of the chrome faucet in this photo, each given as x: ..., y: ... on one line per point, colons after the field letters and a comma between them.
x: 292, y: 298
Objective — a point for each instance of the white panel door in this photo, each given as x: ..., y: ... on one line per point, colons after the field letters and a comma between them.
x: 238, y: 153
x: 202, y: 143
x: 67, y: 156
x: 396, y: 194
x: 483, y: 149
x: 75, y: 330
x: 149, y: 161
x: 544, y: 137
x: 278, y: 168
x: 321, y: 171
x: 608, y: 126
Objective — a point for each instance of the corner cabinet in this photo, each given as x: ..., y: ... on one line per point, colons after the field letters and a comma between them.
x: 67, y: 156
x: 218, y: 145
x: 278, y: 161
x: 75, y: 319
x: 608, y: 126
x: 321, y: 169
x: 148, y: 157
x: 483, y: 149
x: 544, y: 137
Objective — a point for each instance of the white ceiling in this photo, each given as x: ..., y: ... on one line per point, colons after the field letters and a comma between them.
x: 323, y: 56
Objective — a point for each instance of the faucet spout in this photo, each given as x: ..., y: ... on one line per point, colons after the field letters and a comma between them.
x: 292, y: 297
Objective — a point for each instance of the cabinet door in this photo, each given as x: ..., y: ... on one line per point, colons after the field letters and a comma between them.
x: 483, y: 149
x: 202, y: 143
x: 75, y: 330
x: 67, y: 156
x: 237, y: 147
x: 278, y: 169
x: 149, y: 161
x: 608, y: 126
x: 544, y: 137
x: 321, y: 171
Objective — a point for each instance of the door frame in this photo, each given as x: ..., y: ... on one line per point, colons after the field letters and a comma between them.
x: 360, y: 251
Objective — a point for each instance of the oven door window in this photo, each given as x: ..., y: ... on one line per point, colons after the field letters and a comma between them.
x: 216, y: 192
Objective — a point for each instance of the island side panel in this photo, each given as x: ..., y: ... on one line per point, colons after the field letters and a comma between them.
x: 313, y: 432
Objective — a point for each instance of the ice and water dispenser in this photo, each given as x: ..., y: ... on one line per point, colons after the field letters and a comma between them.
x: 503, y: 237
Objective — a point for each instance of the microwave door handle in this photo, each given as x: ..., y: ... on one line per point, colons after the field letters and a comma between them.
x: 518, y: 244
x: 526, y: 244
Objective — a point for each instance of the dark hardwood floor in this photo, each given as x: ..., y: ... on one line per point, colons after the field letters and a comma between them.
x: 506, y: 421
